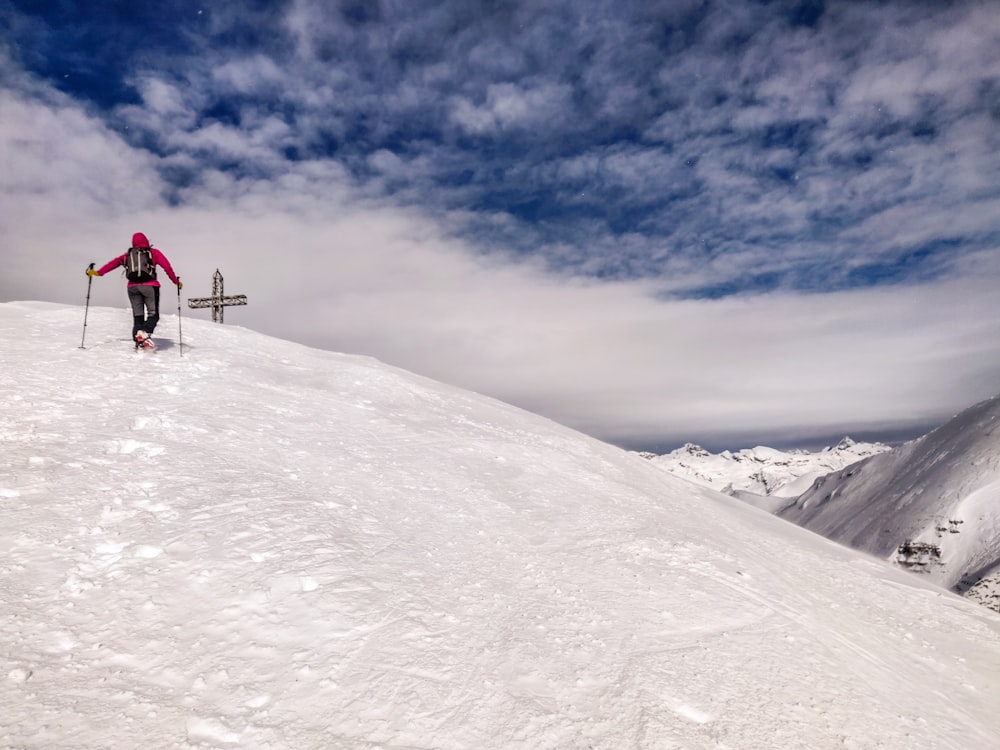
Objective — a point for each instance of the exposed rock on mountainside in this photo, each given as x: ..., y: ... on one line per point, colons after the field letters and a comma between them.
x: 932, y: 505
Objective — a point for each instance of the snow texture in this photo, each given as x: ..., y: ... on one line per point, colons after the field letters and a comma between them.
x: 261, y: 545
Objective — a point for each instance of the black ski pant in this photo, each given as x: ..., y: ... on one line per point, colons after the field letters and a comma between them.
x: 145, y: 299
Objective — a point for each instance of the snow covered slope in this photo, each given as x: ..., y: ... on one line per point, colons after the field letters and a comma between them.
x: 940, y: 492
x: 763, y: 471
x: 259, y: 545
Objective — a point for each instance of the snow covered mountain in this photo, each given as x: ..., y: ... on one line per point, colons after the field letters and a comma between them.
x: 763, y: 471
x: 261, y: 545
x: 932, y: 505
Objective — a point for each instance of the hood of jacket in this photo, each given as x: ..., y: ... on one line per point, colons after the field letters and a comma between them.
x: 139, y: 240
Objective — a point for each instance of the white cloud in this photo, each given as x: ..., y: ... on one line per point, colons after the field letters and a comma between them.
x: 249, y: 75
x: 606, y: 357
x: 511, y: 106
x: 255, y: 141
x: 332, y: 260
x: 56, y: 158
x: 163, y: 99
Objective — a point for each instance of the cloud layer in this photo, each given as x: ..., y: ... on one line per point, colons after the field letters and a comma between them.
x: 710, y: 221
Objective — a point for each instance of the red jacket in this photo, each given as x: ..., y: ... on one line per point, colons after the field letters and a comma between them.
x: 159, y: 259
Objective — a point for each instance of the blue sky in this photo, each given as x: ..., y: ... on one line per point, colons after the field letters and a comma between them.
x: 717, y: 221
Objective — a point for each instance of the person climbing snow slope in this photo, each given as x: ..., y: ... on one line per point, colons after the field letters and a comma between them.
x: 140, y: 262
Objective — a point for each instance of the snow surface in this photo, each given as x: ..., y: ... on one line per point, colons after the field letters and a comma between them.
x: 261, y: 545
x: 942, y: 491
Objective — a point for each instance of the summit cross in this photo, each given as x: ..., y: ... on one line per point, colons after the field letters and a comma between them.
x: 218, y: 301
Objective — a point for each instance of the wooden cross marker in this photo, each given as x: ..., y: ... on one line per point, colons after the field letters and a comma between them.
x: 218, y: 300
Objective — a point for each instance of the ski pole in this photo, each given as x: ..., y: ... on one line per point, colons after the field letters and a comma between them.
x: 86, y: 309
x: 180, y: 333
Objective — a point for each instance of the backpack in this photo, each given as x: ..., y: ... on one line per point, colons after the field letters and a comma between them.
x: 139, y: 267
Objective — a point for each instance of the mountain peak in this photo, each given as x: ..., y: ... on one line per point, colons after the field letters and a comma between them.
x: 691, y: 449
x: 763, y: 471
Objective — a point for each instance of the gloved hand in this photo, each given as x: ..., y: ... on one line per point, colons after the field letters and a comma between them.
x: 91, y: 272
x: 180, y: 285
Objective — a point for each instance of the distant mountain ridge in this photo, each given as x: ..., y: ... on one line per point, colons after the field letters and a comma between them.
x: 931, y: 506
x: 761, y: 471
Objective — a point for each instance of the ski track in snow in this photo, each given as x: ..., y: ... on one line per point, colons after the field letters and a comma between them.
x: 258, y: 545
